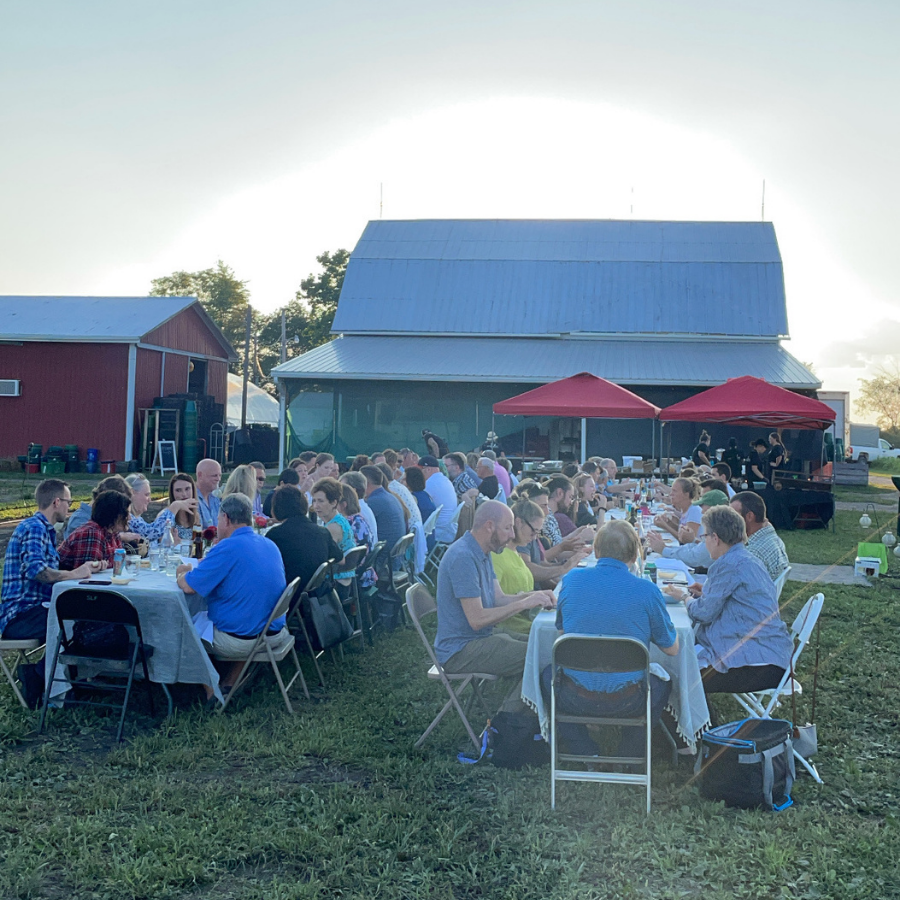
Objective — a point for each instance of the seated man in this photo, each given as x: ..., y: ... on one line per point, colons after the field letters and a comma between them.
x: 561, y: 494
x: 609, y: 600
x: 489, y: 484
x: 30, y: 570
x: 98, y: 539
x: 303, y: 545
x: 209, y: 474
x: 439, y: 487
x: 463, y: 482
x: 242, y: 578
x: 83, y: 513
x: 762, y: 539
x: 722, y: 471
x: 387, y: 509
x: 470, y: 602
x: 287, y: 477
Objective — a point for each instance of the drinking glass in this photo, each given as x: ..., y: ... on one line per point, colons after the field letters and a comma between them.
x: 154, y: 558
x: 172, y: 565
x: 132, y: 566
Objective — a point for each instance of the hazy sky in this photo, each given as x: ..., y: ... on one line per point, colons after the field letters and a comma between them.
x: 139, y: 140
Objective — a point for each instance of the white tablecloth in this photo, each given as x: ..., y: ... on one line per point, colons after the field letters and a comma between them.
x: 687, y: 702
x: 165, y: 614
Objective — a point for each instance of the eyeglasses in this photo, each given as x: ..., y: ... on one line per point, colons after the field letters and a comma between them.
x: 66, y: 500
x: 534, y: 531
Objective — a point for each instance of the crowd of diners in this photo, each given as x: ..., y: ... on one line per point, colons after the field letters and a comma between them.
x: 518, y: 551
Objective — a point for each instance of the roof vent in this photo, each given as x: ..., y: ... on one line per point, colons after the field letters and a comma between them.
x: 10, y: 387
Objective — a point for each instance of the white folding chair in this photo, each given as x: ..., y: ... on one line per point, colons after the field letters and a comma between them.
x: 22, y: 651
x: 598, y: 653
x: 420, y: 603
x: 263, y: 652
x: 431, y: 521
x: 780, y: 580
x: 762, y: 703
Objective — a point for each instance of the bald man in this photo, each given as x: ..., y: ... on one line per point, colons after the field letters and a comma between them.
x: 209, y: 474
x: 470, y: 602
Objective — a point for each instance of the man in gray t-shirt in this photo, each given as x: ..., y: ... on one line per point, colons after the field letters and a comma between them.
x: 470, y: 601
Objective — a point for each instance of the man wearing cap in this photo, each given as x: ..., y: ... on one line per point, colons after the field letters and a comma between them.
x: 692, y: 553
x: 439, y: 487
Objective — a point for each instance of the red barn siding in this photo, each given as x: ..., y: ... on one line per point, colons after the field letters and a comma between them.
x: 186, y: 331
x: 147, y: 375
x: 217, y: 381
x: 176, y: 374
x: 71, y: 394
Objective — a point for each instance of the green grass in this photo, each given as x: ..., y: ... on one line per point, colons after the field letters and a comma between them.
x: 885, y: 466
x: 336, y: 802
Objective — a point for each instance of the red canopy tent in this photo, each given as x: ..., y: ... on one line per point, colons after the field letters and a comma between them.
x: 583, y: 396
x: 751, y: 401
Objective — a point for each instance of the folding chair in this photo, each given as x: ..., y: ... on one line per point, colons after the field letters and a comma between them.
x: 295, y: 613
x: 99, y: 608
x: 352, y: 560
x: 420, y: 604
x: 431, y: 521
x: 262, y: 652
x: 780, y: 580
x: 763, y: 703
x: 370, y: 562
x: 428, y: 530
x: 396, y: 573
x: 23, y: 651
x: 436, y: 554
x: 598, y: 653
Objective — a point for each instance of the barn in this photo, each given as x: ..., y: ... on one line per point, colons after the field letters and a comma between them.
x: 440, y: 319
x: 76, y: 370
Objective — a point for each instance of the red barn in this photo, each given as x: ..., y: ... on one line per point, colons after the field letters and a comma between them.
x: 75, y: 370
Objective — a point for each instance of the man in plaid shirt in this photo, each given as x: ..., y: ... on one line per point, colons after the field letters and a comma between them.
x: 30, y: 570
x: 762, y: 539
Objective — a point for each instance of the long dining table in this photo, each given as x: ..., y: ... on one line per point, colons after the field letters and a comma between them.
x: 165, y: 614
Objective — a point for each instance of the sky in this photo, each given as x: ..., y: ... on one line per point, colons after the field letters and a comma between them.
x: 136, y: 141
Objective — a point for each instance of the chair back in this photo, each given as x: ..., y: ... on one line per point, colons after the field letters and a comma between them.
x: 802, y: 629
x: 780, y: 580
x: 399, y: 550
x: 457, y: 514
x: 353, y: 558
x: 284, y: 603
x: 107, y: 607
x: 370, y: 561
x: 431, y: 521
x: 600, y: 653
x: 420, y: 603
x: 319, y: 577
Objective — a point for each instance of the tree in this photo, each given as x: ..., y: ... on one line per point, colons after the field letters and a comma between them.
x: 223, y: 296
x: 881, y: 395
x: 320, y: 294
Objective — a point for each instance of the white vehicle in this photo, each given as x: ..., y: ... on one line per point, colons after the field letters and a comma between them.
x: 865, y: 444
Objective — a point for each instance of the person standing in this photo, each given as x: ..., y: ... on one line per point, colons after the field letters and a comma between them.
x: 700, y: 455
x: 777, y: 454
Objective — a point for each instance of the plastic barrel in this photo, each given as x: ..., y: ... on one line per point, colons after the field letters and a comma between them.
x: 35, y: 452
x: 92, y: 463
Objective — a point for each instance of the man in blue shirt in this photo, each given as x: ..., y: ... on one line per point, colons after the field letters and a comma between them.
x: 30, y: 570
x: 609, y: 600
x: 386, y: 507
x: 209, y: 474
x: 470, y: 602
x: 242, y: 578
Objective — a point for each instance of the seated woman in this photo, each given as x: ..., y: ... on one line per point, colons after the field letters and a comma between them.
x: 140, y: 500
x: 608, y: 599
x: 362, y: 534
x: 742, y: 643
x: 98, y: 539
x: 590, y: 507
x: 327, y: 493
x: 685, y: 522
x: 182, y: 487
x: 303, y: 545
x: 415, y: 482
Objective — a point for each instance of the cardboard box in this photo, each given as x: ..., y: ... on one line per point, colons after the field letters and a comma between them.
x: 870, y: 566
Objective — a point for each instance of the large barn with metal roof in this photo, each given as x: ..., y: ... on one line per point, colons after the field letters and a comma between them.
x: 76, y: 370
x: 440, y: 319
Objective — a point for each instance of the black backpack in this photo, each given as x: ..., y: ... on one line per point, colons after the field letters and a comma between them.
x: 512, y: 740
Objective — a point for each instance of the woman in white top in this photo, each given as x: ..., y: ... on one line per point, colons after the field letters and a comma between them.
x: 685, y: 522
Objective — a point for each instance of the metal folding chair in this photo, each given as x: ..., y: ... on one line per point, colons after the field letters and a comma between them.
x: 420, y: 604
x: 109, y: 662
x: 370, y: 562
x: 23, y: 650
x: 262, y: 652
x: 763, y: 703
x: 295, y: 613
x: 352, y: 561
x: 607, y: 654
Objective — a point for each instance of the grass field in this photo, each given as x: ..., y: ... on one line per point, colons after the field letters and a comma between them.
x: 335, y: 802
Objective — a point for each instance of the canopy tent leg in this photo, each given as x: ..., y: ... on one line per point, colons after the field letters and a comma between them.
x: 583, y: 441
x: 524, y: 422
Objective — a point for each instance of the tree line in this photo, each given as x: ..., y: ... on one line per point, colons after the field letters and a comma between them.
x: 226, y: 299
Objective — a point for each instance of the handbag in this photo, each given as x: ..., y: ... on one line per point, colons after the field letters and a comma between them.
x: 330, y: 624
x: 805, y: 737
x: 511, y: 740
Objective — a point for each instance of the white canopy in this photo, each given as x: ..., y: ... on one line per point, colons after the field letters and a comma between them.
x: 262, y: 407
